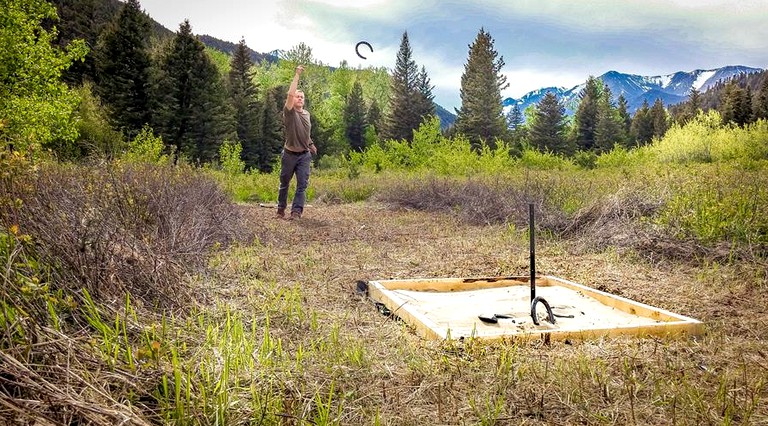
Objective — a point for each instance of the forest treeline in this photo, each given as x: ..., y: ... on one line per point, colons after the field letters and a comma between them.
x: 104, y: 72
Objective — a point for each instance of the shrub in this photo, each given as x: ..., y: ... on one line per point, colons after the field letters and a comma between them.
x: 115, y: 229
x: 146, y: 148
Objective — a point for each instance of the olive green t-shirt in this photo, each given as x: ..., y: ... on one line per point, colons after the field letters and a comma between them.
x: 297, y: 130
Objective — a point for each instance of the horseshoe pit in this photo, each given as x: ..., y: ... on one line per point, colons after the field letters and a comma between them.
x: 496, y: 308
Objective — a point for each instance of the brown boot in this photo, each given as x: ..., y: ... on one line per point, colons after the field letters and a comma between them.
x: 281, y: 212
x: 295, y: 215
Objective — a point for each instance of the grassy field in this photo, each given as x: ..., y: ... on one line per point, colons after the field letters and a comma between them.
x: 139, y: 294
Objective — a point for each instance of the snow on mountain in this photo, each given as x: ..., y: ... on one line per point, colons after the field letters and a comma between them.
x: 702, y: 78
x: 671, y: 88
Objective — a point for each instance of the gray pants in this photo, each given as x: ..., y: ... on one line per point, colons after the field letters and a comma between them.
x: 291, y: 163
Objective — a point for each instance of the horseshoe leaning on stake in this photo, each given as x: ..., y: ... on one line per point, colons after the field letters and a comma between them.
x: 357, y: 48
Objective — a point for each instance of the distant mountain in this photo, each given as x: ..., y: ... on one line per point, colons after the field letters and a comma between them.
x: 446, y: 117
x: 671, y: 89
x: 229, y: 48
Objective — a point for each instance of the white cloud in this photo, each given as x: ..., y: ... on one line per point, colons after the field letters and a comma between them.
x: 544, y: 43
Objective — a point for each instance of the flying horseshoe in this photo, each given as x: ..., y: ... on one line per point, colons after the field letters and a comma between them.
x: 357, y: 48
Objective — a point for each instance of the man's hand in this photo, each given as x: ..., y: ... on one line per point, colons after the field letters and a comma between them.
x: 299, y: 69
x: 313, y: 149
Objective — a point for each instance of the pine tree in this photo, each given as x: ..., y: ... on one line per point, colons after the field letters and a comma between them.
x: 270, y: 128
x: 625, y: 120
x: 123, y: 69
x: 694, y: 102
x: 761, y: 103
x: 425, y: 100
x: 403, y: 117
x: 659, y: 118
x: 354, y: 118
x: 481, y: 116
x: 374, y: 116
x: 515, y: 124
x: 192, y: 112
x: 514, y: 117
x: 243, y: 96
x: 547, y: 132
x: 608, y: 131
x: 735, y: 104
x: 642, y: 125
x: 83, y: 20
x: 586, y: 116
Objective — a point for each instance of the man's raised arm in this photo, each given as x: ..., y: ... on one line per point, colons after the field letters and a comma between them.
x: 289, y: 101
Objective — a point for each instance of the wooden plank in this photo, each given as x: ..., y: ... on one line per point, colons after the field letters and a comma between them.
x: 621, y: 303
x: 424, y: 326
x: 454, y: 284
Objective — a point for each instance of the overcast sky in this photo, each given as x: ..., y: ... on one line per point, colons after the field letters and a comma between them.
x: 543, y: 42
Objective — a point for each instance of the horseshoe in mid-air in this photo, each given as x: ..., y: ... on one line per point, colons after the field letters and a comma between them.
x: 357, y: 48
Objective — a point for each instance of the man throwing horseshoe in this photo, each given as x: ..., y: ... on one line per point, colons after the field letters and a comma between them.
x: 297, y: 150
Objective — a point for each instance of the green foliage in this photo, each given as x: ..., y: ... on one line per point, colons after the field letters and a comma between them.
x: 538, y: 160
x: 354, y: 118
x: 622, y: 157
x: 548, y: 127
x: 146, y: 147
x: 123, y: 68
x: 641, y: 129
x: 407, y: 106
x: 222, y: 60
x: 481, y: 116
x: 230, y: 158
x: 36, y: 108
x: 705, y: 139
x: 587, y: 114
x: 95, y: 134
x: 246, y: 106
x: 721, y: 203
x: 193, y: 114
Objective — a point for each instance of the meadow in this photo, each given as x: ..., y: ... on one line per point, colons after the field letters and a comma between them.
x: 139, y: 292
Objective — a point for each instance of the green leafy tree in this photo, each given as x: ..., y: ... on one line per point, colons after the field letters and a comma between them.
x: 481, y: 116
x: 36, y: 107
x: 243, y: 95
x: 586, y: 117
x: 354, y: 118
x: 548, y: 130
x: 191, y: 113
x: 123, y: 68
x: 403, y: 117
x: 96, y: 136
x: 642, y: 125
x: 299, y: 54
